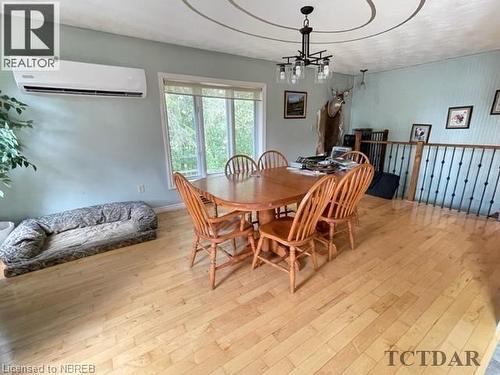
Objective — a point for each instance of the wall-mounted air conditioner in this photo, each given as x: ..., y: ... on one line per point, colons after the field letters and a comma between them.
x: 77, y: 78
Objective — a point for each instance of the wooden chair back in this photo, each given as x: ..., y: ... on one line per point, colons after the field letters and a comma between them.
x: 349, y: 191
x: 272, y: 159
x: 356, y: 156
x: 240, y: 164
x: 194, y: 206
x: 311, y: 208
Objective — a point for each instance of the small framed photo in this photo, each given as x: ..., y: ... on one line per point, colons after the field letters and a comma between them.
x: 420, y: 133
x: 495, y: 108
x: 459, y: 117
x: 295, y: 104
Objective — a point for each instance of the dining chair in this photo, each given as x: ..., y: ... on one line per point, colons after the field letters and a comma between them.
x: 214, y: 230
x: 240, y: 164
x: 274, y: 159
x: 356, y: 156
x: 359, y: 158
x: 294, y: 233
x: 343, y: 206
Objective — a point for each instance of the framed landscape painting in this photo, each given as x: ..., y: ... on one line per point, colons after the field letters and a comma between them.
x: 420, y: 133
x: 459, y: 117
x: 495, y: 108
x: 295, y: 104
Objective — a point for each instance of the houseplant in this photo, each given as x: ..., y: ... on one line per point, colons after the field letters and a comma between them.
x: 11, y: 155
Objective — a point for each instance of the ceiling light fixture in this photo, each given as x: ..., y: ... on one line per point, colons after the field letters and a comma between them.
x: 293, y: 69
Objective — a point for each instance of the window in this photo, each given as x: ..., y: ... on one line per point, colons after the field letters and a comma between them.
x: 206, y: 123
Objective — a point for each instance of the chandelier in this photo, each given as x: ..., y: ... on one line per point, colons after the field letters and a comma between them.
x: 293, y: 69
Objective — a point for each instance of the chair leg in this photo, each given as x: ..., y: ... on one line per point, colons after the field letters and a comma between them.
x: 234, y: 245
x: 313, y: 255
x: 216, y: 210
x: 251, y: 240
x: 257, y: 252
x: 351, y: 235
x: 213, y: 260
x: 194, y: 250
x: 292, y: 269
x: 331, y: 245
x: 333, y: 248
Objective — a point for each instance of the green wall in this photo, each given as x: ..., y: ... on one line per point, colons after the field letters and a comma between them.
x: 95, y: 150
x: 421, y: 94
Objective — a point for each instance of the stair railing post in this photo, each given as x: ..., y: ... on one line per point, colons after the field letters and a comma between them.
x: 412, y: 187
x: 357, y: 143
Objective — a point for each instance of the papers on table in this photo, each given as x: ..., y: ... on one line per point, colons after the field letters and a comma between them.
x: 304, y: 171
x: 344, y: 164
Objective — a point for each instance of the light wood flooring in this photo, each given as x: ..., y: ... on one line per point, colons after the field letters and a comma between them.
x: 421, y: 278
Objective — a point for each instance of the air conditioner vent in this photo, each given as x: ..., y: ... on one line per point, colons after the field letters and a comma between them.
x: 58, y: 90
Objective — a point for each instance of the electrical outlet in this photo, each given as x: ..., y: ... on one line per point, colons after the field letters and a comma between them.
x: 141, y: 188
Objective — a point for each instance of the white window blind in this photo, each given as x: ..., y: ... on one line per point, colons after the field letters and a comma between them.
x: 212, y: 90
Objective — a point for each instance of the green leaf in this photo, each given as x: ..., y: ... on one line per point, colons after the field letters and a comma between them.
x: 11, y: 155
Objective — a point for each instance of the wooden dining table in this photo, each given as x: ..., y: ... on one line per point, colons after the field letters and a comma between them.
x: 261, y: 191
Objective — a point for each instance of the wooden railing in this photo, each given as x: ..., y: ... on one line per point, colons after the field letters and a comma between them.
x: 463, y: 177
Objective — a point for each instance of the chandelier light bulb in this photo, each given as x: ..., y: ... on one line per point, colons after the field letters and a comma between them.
x: 320, y: 75
x: 281, y: 74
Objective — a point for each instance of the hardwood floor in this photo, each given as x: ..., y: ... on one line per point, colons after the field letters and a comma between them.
x: 421, y: 278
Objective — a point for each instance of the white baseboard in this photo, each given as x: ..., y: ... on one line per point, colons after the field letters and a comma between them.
x: 170, y: 207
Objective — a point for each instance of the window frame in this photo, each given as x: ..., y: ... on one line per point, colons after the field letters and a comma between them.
x: 260, y: 119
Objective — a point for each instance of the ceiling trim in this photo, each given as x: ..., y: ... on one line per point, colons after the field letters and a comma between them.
x: 192, y: 8
x: 373, y: 13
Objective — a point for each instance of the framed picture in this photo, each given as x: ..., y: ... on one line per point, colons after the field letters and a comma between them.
x: 295, y: 104
x: 495, y: 108
x: 459, y: 117
x: 420, y: 133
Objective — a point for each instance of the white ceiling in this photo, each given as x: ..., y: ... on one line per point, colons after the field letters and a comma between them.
x: 373, y: 34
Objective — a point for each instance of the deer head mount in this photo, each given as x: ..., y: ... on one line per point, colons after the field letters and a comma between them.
x: 341, y: 95
x: 338, y: 98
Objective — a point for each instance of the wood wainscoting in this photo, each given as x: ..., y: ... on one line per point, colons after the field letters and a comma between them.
x: 420, y: 278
